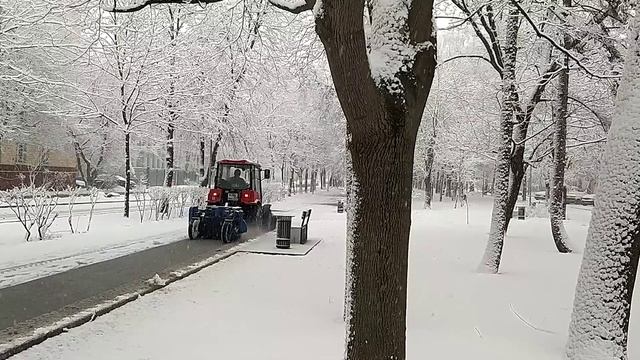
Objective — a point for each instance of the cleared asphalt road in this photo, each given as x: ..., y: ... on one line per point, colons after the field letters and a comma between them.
x: 40, y: 302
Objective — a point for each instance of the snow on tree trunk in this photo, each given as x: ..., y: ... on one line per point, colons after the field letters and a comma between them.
x: 212, y: 160
x: 127, y: 170
x: 556, y: 205
x: 382, y: 85
x: 523, y: 119
x: 493, y: 252
x: 602, y: 306
x: 170, y: 150
x: 428, y: 165
x: 515, y: 179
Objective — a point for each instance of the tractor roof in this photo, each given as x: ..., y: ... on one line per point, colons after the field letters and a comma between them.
x: 237, y: 162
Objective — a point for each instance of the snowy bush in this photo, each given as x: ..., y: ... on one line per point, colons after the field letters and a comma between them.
x: 140, y: 196
x: 198, y: 195
x: 33, y: 207
x: 72, y: 197
x: 180, y: 196
x: 164, y: 201
x: 93, y: 198
x: 159, y: 201
x: 273, y: 192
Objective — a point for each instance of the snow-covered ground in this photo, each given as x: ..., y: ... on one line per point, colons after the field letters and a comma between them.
x: 254, y: 306
x: 110, y: 236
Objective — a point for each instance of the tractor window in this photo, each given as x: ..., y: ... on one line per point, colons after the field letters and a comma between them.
x: 236, y: 177
x: 256, y: 180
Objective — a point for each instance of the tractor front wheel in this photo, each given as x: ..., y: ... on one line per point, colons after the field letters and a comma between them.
x: 228, y: 232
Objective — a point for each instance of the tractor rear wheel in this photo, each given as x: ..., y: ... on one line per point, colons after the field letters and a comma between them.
x: 254, y: 215
x: 194, y: 229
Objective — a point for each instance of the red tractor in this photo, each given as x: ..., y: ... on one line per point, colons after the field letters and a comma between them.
x: 234, y: 201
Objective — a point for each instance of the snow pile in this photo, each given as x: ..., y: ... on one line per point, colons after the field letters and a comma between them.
x: 156, y: 280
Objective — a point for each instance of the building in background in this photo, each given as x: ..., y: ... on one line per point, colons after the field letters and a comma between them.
x: 27, y: 161
x: 150, y: 169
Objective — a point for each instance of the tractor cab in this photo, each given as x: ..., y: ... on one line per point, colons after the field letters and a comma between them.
x: 238, y: 183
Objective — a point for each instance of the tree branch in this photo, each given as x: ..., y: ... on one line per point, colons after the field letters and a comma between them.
x: 292, y: 6
x: 492, y: 56
x: 466, y: 56
x: 490, y: 27
x: 604, y: 122
x: 462, y: 20
x: 589, y: 142
x: 558, y: 46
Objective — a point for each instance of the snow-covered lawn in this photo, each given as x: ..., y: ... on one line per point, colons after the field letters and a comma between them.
x: 277, y: 307
x: 110, y: 236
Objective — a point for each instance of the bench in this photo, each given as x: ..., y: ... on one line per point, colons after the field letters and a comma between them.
x: 299, y: 233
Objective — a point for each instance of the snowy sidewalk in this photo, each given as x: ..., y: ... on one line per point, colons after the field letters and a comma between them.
x: 279, y: 307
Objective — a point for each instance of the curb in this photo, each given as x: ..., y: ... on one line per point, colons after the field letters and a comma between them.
x: 41, y: 334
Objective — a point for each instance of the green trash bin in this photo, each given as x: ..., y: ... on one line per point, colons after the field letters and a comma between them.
x: 283, y: 232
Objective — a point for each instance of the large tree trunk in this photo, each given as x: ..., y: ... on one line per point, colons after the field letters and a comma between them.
x: 168, y: 181
x: 127, y: 172
x: 212, y: 160
x: 383, y: 115
x: 491, y: 259
x: 556, y: 205
x: 602, y: 306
